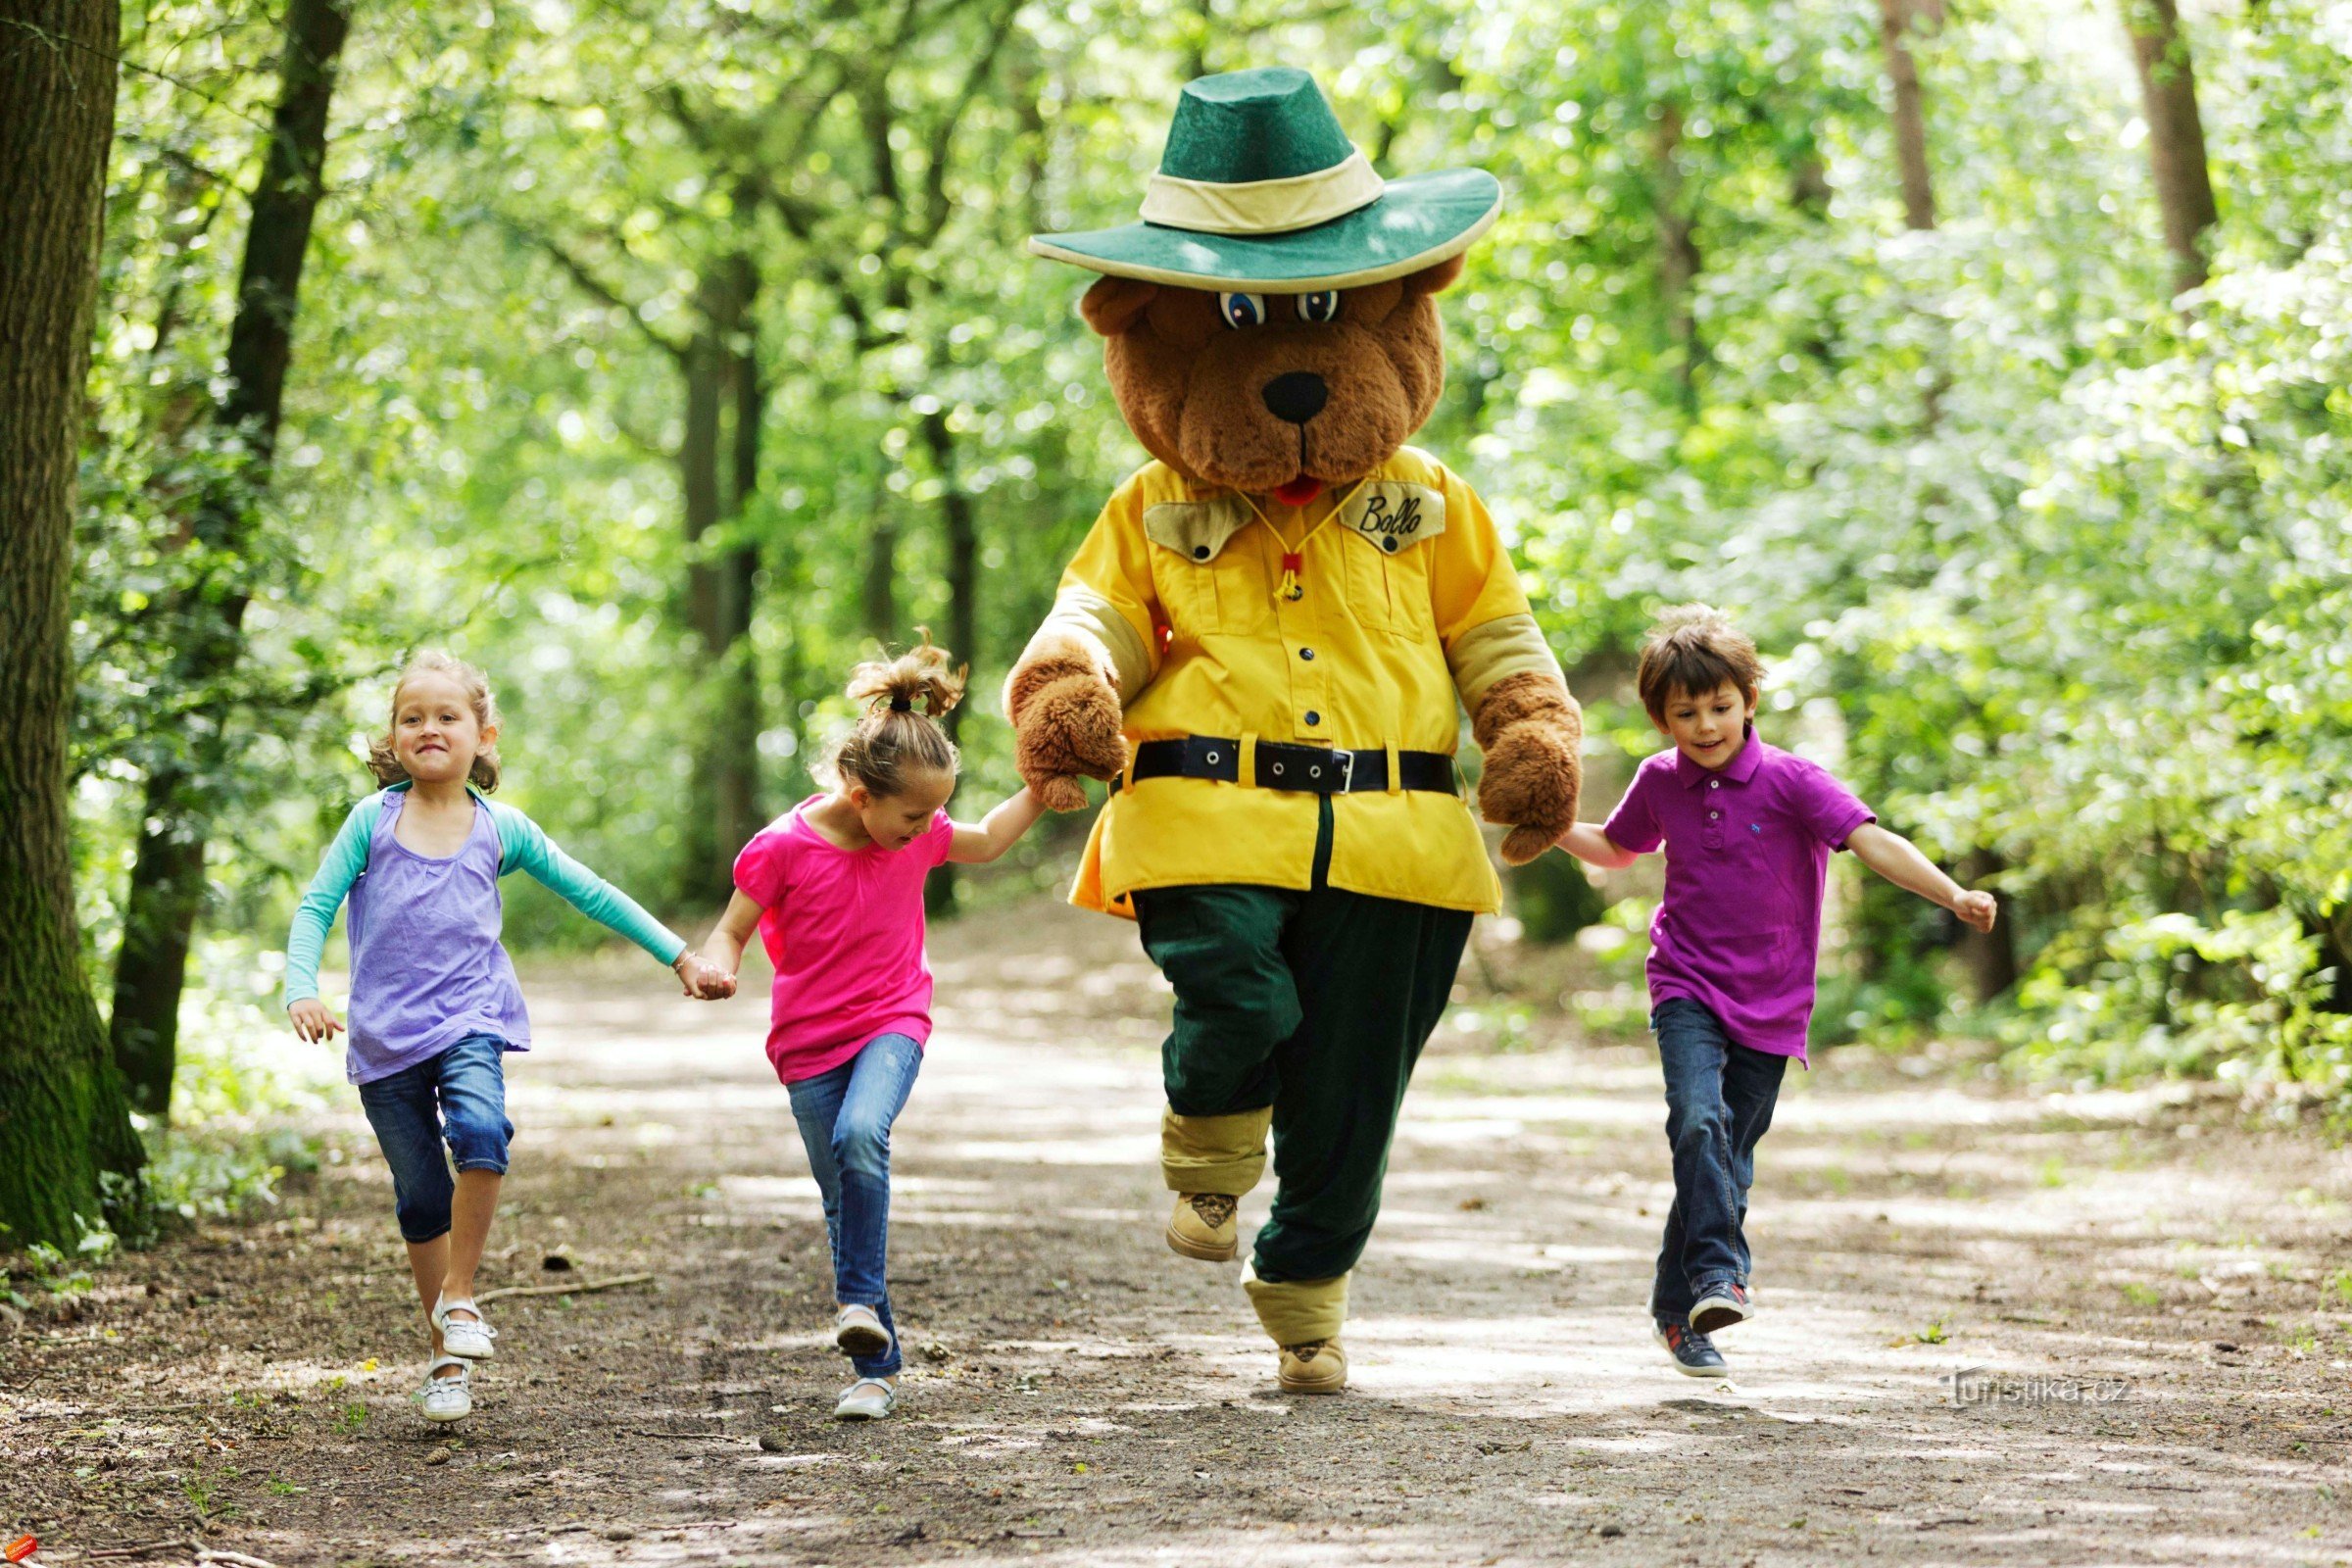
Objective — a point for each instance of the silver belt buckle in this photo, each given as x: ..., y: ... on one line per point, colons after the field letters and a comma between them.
x: 1347, y: 762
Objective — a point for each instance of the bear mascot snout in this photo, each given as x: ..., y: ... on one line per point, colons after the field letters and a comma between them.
x: 1262, y: 643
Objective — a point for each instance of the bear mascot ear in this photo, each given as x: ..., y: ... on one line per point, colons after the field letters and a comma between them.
x: 1434, y: 279
x: 1113, y: 304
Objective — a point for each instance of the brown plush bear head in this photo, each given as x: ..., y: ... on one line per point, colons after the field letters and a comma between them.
x: 1274, y: 392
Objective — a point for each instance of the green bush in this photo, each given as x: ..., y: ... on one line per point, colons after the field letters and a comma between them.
x: 2245, y: 999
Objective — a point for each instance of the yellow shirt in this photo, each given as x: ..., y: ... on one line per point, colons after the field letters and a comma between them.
x: 1402, y: 598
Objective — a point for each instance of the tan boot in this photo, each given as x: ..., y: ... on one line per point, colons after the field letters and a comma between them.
x: 1319, y: 1366
x: 1203, y: 1227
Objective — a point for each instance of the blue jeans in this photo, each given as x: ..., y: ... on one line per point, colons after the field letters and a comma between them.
x: 458, y: 1097
x: 1719, y: 1099
x: 845, y: 1117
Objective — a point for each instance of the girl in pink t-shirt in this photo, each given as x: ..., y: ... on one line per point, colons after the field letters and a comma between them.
x: 836, y: 889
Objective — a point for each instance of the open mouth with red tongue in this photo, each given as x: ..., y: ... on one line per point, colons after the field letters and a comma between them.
x: 1300, y: 491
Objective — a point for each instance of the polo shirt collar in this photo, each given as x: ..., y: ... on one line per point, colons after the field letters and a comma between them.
x: 1689, y: 775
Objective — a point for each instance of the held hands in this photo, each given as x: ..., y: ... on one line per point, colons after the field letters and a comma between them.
x: 1529, y: 731
x: 1977, y: 909
x: 1067, y: 726
x: 703, y: 980
x: 313, y: 1022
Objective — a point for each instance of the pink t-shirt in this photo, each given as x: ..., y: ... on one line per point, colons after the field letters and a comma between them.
x: 844, y: 930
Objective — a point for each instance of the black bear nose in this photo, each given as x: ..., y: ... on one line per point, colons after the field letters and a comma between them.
x: 1296, y: 396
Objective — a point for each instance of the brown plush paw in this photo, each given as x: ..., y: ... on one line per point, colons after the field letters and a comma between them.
x: 1063, y: 793
x: 1523, y: 844
x: 1531, y: 731
x: 1068, y: 728
x: 1531, y: 781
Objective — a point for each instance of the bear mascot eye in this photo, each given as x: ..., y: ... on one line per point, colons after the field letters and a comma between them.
x: 1321, y: 306
x: 1242, y: 310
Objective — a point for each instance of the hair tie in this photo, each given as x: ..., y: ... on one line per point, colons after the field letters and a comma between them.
x: 902, y: 705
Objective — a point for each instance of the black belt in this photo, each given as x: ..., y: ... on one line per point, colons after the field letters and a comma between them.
x: 1320, y: 770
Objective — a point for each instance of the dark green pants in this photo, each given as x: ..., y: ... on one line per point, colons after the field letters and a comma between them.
x: 1317, y: 1004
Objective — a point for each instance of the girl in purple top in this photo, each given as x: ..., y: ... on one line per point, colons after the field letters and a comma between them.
x: 1747, y: 830
x: 434, y: 1005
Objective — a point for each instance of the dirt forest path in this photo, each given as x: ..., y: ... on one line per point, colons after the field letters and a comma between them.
x: 2156, y: 1299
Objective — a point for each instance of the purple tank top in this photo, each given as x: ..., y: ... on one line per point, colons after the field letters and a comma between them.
x: 428, y: 969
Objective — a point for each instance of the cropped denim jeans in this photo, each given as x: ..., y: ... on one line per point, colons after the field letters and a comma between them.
x: 456, y: 1099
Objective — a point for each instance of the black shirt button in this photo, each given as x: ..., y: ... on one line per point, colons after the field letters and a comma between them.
x: 1307, y: 654
x: 1199, y: 551
x: 1389, y: 545
x: 1313, y: 718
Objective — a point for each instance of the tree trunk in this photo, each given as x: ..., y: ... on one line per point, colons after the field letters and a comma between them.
x: 738, y: 814
x: 718, y: 477
x: 1899, y: 21
x: 1809, y: 183
x: 1990, y: 957
x: 698, y: 480
x: 166, y: 881
x: 2168, y: 90
x: 960, y: 522
x: 879, y: 600
x: 1677, y: 252
x: 63, y: 1125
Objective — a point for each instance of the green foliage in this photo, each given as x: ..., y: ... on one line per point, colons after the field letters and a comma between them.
x: 2053, y: 568
x: 1618, y: 943
x: 55, y: 1272
x: 2245, y: 999
x: 1553, y: 898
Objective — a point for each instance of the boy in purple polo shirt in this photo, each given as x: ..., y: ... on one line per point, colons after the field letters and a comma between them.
x: 1747, y: 830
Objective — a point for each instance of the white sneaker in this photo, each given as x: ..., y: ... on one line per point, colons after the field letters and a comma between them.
x: 859, y: 1331
x: 866, y: 1400
x: 446, y: 1399
x: 469, y: 1337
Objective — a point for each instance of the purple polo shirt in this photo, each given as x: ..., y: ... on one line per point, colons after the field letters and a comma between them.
x: 1748, y: 853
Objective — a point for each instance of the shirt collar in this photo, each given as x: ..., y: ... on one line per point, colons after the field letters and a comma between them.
x: 406, y: 784
x: 1689, y: 775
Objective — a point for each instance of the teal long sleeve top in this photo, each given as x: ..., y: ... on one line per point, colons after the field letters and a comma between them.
x: 523, y: 847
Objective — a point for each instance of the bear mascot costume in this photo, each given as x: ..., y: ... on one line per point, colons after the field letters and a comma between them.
x: 1260, y: 645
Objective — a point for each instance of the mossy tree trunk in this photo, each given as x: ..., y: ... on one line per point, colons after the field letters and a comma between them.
x: 63, y: 1128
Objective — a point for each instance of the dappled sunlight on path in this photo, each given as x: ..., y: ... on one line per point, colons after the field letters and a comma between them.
x: 2160, y: 1357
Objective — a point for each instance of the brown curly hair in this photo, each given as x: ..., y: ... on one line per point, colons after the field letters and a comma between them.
x: 384, y: 762
x: 1692, y: 650
x: 896, y: 737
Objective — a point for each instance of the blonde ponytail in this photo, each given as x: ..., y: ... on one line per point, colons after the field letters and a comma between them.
x: 904, y: 699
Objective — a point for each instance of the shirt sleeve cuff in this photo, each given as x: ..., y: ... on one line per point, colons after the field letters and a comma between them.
x: 1853, y: 819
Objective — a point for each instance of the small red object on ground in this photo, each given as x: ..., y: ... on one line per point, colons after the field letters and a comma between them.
x: 21, y: 1548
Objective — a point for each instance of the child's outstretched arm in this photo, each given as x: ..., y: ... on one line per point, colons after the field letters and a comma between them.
x: 1897, y: 859
x: 722, y: 950
x: 1587, y: 843
x: 997, y: 831
x: 526, y: 847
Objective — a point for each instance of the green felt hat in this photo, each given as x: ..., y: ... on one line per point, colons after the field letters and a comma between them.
x: 1259, y: 189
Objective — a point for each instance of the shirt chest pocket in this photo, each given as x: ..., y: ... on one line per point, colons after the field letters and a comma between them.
x: 1389, y: 527
x: 1208, y: 578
